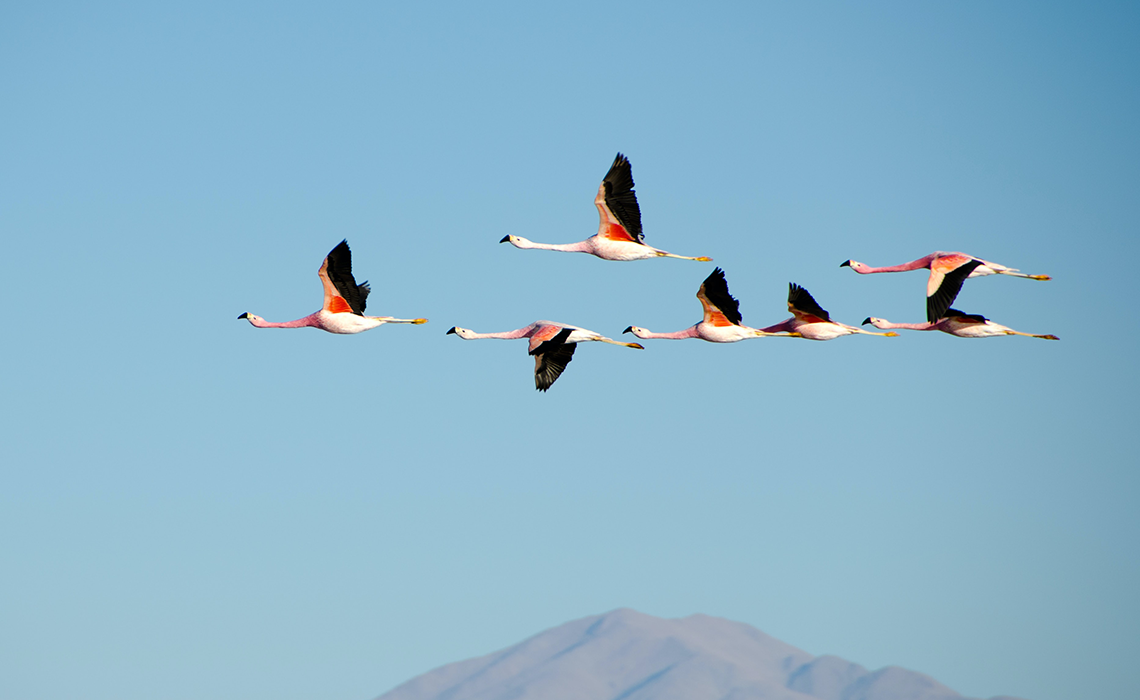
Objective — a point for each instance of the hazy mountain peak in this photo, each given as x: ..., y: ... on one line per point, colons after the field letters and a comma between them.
x: 628, y: 655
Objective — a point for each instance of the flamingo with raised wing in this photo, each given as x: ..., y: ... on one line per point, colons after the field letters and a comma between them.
x: 957, y: 324
x: 811, y: 320
x: 941, y: 264
x: 551, y: 344
x: 343, y: 309
x: 619, y: 235
x: 722, y: 322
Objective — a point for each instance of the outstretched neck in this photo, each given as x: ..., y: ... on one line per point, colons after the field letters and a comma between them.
x: 504, y: 335
x: 309, y: 321
x: 579, y: 247
x: 912, y: 265
x: 781, y: 327
x: 690, y: 332
x: 887, y: 325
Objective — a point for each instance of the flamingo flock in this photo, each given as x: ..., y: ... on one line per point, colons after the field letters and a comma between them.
x: 620, y: 238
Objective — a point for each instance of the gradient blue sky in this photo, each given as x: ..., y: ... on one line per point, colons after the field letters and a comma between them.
x: 194, y: 508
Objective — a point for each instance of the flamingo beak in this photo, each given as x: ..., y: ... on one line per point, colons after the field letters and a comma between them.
x: 866, y: 321
x: 846, y: 263
x: 245, y: 315
x: 451, y: 332
x: 505, y: 239
x: 628, y: 330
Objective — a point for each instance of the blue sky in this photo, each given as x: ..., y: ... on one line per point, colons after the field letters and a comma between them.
x: 196, y: 508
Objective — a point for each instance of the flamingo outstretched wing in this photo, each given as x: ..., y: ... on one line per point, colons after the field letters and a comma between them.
x: 964, y: 317
x: 721, y: 309
x: 804, y: 306
x: 944, y: 284
x: 342, y: 293
x: 620, y: 217
x: 551, y: 354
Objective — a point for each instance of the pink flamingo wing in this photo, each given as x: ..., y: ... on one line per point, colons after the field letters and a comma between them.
x: 542, y: 334
x: 804, y: 306
x: 720, y: 307
x: 943, y: 288
x: 618, y: 211
x: 342, y: 293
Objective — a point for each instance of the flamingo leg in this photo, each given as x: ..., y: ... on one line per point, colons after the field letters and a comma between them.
x: 780, y: 334
x: 637, y: 346
x: 1032, y: 335
x: 1022, y: 274
x: 889, y: 334
x: 389, y: 319
x: 663, y: 254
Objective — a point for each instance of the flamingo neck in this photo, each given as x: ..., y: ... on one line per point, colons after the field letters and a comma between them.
x: 887, y: 325
x: 690, y: 332
x: 310, y: 321
x: 912, y: 265
x: 504, y: 335
x: 781, y: 327
x: 579, y: 247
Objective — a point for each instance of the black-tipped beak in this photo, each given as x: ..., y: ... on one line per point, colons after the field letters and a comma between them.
x: 628, y: 330
x: 845, y: 263
x: 245, y: 315
x: 505, y: 239
x: 450, y: 331
x: 866, y: 320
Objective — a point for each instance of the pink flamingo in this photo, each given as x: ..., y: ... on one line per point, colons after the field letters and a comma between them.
x: 551, y: 344
x: 343, y: 310
x: 959, y: 324
x: 619, y: 234
x: 811, y: 320
x: 722, y: 322
x: 939, y: 296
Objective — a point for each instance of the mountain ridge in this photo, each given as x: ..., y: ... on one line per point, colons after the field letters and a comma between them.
x: 628, y: 655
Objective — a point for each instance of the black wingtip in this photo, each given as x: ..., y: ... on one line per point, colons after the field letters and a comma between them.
x: 505, y: 239
x: 866, y: 321
x: 450, y: 332
x: 845, y: 263
x: 245, y: 315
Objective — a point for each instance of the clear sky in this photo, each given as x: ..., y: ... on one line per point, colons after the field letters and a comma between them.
x: 192, y: 508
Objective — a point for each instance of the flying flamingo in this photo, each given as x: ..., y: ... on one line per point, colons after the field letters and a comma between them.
x: 619, y: 234
x: 957, y: 323
x: 722, y: 320
x: 343, y: 310
x: 941, y: 264
x: 811, y: 321
x: 551, y: 344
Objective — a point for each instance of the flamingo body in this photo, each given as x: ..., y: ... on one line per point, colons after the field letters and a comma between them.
x: 943, y: 285
x: 722, y: 322
x: 811, y: 320
x: 551, y: 344
x: 619, y: 235
x: 344, y: 303
x: 958, y: 324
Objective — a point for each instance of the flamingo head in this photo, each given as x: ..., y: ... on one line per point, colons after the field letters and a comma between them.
x: 250, y: 317
x: 517, y: 241
x: 855, y: 265
x: 461, y: 332
x: 876, y: 322
x: 636, y: 330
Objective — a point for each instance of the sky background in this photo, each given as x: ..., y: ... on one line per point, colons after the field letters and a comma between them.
x: 191, y: 507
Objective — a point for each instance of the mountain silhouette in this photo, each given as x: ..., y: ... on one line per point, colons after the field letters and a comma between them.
x: 627, y: 655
